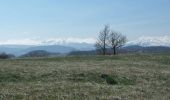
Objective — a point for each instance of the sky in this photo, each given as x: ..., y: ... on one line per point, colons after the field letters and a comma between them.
x: 44, y: 19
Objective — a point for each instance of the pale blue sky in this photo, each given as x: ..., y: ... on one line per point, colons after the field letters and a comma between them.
x: 82, y: 18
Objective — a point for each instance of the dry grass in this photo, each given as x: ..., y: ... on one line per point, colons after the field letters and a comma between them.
x: 129, y: 77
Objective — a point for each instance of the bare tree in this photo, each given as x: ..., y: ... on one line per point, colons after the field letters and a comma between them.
x: 116, y: 40
x: 102, y: 41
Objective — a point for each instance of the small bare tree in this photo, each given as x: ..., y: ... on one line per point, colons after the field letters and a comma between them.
x: 116, y: 40
x: 102, y: 41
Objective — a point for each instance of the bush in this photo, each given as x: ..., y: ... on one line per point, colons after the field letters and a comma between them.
x: 37, y: 53
x: 114, y: 80
x: 6, y: 56
x: 109, y: 79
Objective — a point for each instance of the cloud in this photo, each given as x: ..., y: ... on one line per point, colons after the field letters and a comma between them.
x: 142, y: 41
x: 20, y: 42
x: 50, y: 41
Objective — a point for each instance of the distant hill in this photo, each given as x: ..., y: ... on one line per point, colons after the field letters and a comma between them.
x: 49, y: 48
x: 78, y: 49
x: 128, y: 49
x: 140, y: 49
x: 81, y: 46
x: 39, y: 53
x: 14, y: 49
x: 19, y: 50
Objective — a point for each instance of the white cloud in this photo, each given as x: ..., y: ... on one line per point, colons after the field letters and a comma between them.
x: 20, y: 42
x: 50, y: 41
x: 142, y: 41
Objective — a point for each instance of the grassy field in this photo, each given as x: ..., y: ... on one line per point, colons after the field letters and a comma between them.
x: 125, y: 77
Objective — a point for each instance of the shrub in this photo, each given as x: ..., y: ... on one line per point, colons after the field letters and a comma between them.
x: 6, y: 56
x: 109, y: 79
x: 113, y: 80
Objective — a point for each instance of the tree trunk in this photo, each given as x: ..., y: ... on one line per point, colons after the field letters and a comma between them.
x: 114, y: 50
x: 103, y: 52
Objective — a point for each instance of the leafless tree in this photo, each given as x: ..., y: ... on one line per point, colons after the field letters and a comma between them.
x: 116, y: 40
x: 102, y: 41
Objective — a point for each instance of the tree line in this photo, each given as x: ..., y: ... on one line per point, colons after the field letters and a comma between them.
x: 109, y: 39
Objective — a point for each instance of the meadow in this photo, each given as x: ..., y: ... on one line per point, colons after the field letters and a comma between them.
x: 120, y: 77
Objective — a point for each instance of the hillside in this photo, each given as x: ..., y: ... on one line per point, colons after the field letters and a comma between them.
x: 19, y: 50
x: 141, y: 49
x: 78, y: 46
x: 128, y: 77
x: 40, y: 53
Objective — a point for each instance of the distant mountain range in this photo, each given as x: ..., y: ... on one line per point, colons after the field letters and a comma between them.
x: 148, y: 49
x: 63, y: 49
x: 151, y: 41
x: 141, y: 45
x: 152, y: 44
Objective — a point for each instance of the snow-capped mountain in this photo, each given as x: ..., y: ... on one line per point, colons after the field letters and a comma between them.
x: 151, y: 41
x: 56, y: 45
x: 66, y: 45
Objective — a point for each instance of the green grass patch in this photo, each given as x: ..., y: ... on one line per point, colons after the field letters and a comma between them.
x: 128, y: 77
